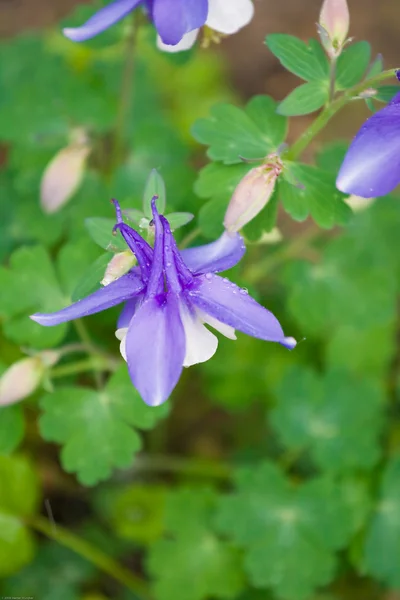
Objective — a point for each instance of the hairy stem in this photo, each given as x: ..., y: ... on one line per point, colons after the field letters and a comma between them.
x: 94, y: 364
x: 332, y: 80
x: 98, y: 558
x: 326, y: 115
x: 189, y: 238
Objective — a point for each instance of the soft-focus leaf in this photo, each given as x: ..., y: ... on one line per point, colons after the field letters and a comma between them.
x: 233, y: 133
x: 207, y: 565
x: 79, y: 417
x: 19, y: 495
x: 101, y: 232
x: 12, y: 428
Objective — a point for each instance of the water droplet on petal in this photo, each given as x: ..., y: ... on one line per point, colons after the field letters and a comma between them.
x: 244, y: 291
x: 226, y: 280
x: 208, y: 276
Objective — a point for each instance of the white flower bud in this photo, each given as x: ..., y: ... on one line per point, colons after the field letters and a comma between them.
x: 64, y: 173
x: 252, y: 194
x: 20, y: 380
x: 120, y: 264
x: 334, y: 23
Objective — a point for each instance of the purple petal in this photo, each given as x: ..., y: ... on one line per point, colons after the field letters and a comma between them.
x: 232, y: 305
x: 128, y: 311
x: 124, y: 288
x: 155, y: 348
x: 220, y: 255
x: 103, y: 19
x: 174, y: 18
x: 371, y: 166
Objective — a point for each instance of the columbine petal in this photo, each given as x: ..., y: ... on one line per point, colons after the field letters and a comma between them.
x: 371, y: 166
x: 186, y: 42
x: 125, y: 288
x: 174, y: 18
x: 201, y: 344
x: 220, y: 255
x: 232, y: 305
x: 103, y: 19
x: 128, y: 311
x: 226, y: 330
x: 229, y: 16
x: 155, y: 348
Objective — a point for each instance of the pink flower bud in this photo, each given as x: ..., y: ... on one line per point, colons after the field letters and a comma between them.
x: 334, y: 23
x: 20, y: 380
x: 64, y: 173
x: 252, y: 194
x: 118, y: 266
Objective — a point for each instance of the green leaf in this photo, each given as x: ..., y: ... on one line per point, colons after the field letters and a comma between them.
x: 155, y: 186
x: 304, y: 99
x: 233, y: 133
x: 330, y: 156
x: 101, y: 232
x: 19, y: 495
x: 382, y: 544
x: 211, y: 217
x: 284, y: 530
x: 79, y: 417
x: 134, y: 512
x: 337, y: 418
x: 179, y: 219
x: 12, y: 428
x: 352, y: 65
x: 73, y: 262
x: 90, y: 281
x: 387, y: 92
x: 305, y: 61
x: 53, y: 564
x: 208, y: 567
x: 30, y: 285
x: 315, y: 195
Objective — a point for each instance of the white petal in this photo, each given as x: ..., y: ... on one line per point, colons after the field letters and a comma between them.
x: 226, y: 330
x: 228, y: 16
x: 185, y: 44
x: 120, y: 334
x: 201, y: 344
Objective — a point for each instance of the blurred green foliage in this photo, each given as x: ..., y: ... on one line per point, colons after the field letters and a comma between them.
x: 269, y: 475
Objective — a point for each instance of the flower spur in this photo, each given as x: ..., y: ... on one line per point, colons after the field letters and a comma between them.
x: 169, y: 297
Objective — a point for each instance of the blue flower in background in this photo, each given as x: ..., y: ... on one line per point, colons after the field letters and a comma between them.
x: 177, y: 21
x: 168, y: 298
x: 371, y: 166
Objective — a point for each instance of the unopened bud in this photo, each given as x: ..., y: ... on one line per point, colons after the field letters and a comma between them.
x: 120, y: 264
x: 20, y: 380
x: 252, y: 194
x: 64, y: 173
x: 334, y: 23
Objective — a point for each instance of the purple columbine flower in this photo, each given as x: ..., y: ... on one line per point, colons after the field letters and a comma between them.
x: 371, y: 166
x: 177, y: 21
x: 168, y: 298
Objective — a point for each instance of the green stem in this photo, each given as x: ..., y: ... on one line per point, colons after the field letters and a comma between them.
x: 189, y: 238
x: 84, y: 335
x: 261, y: 269
x: 125, y: 93
x: 326, y: 115
x: 332, y: 80
x: 102, y: 561
x: 89, y: 364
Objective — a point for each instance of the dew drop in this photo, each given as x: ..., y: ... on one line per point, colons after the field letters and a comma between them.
x: 168, y: 264
x: 208, y: 276
x: 226, y: 280
x: 244, y: 291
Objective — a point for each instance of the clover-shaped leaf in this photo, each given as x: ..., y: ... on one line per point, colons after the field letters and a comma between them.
x: 289, y: 535
x: 382, y: 545
x: 338, y: 418
x: 207, y: 566
x: 233, y: 133
x: 97, y: 429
